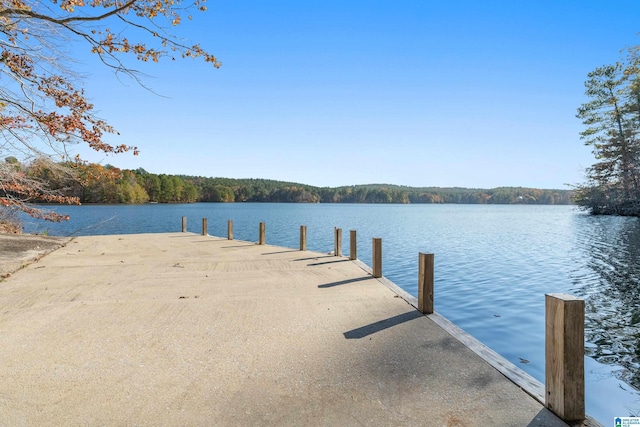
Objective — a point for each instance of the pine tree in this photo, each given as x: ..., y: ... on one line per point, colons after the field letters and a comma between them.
x: 612, y: 123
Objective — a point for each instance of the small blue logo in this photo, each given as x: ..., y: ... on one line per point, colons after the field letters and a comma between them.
x: 626, y: 422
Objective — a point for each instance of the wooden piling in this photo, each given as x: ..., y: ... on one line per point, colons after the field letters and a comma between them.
x: 353, y: 252
x: 425, y: 283
x: 337, y: 242
x: 184, y: 224
x: 564, y: 356
x: 303, y: 237
x: 377, y: 257
x: 230, y: 229
x: 263, y: 234
x: 204, y: 226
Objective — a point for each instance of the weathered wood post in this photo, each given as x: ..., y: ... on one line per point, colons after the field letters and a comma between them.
x: 564, y: 356
x: 204, y: 226
x: 425, y: 283
x: 230, y: 229
x: 184, y: 224
x: 337, y: 242
x: 377, y: 257
x: 303, y: 237
x: 263, y: 234
x: 353, y: 252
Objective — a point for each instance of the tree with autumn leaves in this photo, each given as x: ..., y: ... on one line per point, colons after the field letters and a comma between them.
x: 43, y: 109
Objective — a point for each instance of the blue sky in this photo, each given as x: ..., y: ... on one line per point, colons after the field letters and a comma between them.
x: 329, y: 93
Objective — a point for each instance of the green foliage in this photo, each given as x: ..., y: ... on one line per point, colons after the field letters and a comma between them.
x: 152, y: 187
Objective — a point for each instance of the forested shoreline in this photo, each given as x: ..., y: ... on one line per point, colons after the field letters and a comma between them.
x: 94, y: 183
x: 263, y: 190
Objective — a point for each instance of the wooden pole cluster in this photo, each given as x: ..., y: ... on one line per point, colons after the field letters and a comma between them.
x: 303, y: 237
x: 564, y: 323
x: 564, y: 356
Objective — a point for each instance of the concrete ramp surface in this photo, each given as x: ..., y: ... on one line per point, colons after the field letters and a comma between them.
x: 182, y: 329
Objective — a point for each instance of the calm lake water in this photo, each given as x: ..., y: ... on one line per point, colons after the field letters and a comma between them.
x: 494, y: 264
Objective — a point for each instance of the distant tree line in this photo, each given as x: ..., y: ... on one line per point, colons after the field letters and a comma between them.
x: 264, y: 190
x: 94, y: 183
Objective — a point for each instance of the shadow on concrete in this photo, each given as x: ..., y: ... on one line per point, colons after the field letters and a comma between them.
x: 313, y: 258
x: 546, y: 418
x: 417, y: 352
x: 382, y: 325
x: 280, y: 252
x: 343, y: 282
x: 327, y: 262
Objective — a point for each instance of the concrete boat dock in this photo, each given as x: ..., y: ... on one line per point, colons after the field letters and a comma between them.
x: 183, y: 329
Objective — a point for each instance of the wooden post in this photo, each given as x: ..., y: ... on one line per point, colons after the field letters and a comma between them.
x: 377, y: 257
x: 425, y: 283
x: 353, y: 253
x: 337, y: 242
x: 303, y: 237
x: 204, y: 226
x: 184, y: 224
x: 564, y: 356
x: 230, y: 229
x: 263, y: 234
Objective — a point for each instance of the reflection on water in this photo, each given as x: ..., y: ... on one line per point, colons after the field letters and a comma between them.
x: 610, y: 284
